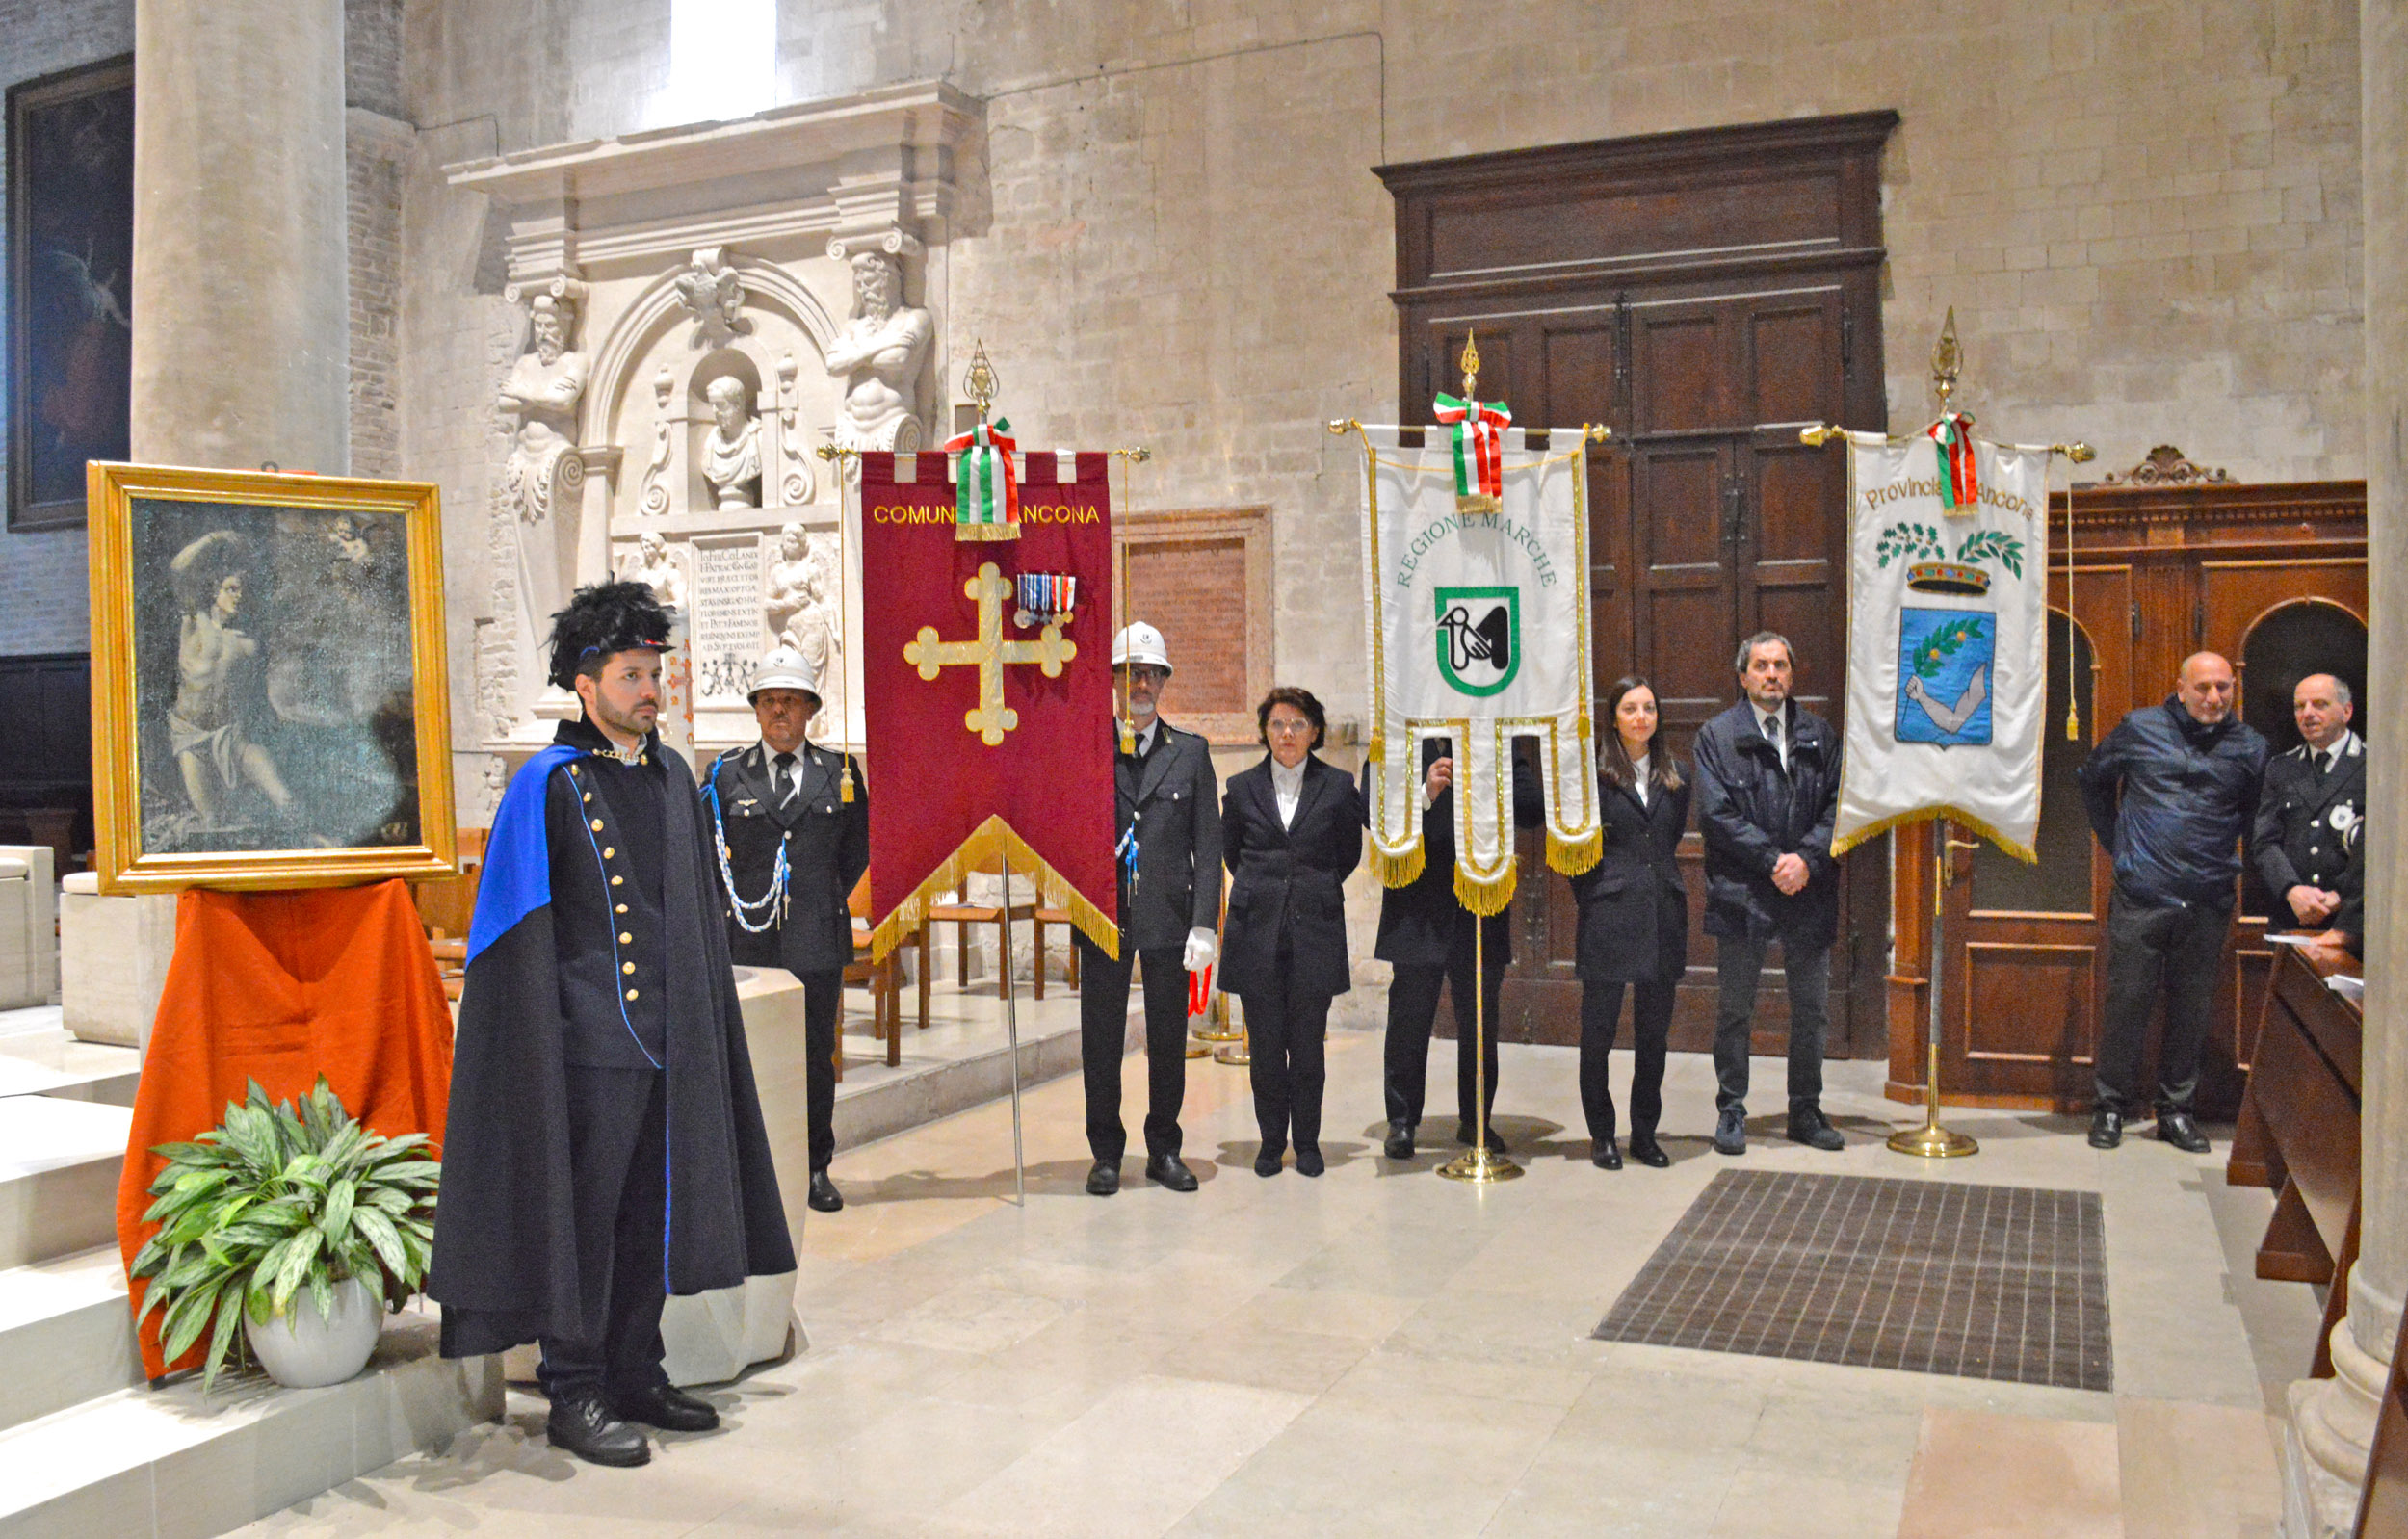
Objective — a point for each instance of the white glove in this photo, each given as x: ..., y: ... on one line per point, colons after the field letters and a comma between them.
x: 1203, y: 950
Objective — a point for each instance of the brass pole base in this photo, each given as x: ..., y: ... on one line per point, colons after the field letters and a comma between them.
x: 1236, y: 1057
x: 1199, y: 1047
x: 1479, y: 1163
x: 1207, y: 1034
x: 1932, y: 1142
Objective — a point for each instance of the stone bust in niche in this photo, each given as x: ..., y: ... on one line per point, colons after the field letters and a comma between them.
x: 731, y: 457
x: 878, y: 356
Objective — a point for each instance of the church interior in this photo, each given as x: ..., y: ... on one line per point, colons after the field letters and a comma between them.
x: 633, y: 291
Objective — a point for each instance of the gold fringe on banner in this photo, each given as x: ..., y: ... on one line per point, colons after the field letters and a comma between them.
x: 1399, y: 870
x: 1573, y: 856
x: 1484, y: 896
x: 2025, y: 853
x: 988, y: 845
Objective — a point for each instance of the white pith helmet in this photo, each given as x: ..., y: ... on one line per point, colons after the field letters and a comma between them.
x: 1139, y: 642
x: 784, y: 669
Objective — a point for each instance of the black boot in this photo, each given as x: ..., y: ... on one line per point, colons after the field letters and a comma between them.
x: 1400, y: 1144
x: 825, y: 1198
x: 2106, y: 1126
x: 583, y: 1426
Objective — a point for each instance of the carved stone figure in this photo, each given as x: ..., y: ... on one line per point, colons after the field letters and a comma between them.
x: 802, y: 609
x: 878, y: 355
x: 543, y: 393
x: 731, y: 457
x: 714, y: 294
x: 656, y: 569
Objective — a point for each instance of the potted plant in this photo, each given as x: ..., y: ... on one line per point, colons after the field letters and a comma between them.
x: 298, y: 1222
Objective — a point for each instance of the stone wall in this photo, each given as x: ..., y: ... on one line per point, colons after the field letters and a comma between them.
x: 2145, y: 217
x: 44, y: 600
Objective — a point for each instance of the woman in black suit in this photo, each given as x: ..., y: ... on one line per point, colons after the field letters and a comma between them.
x: 1634, y: 922
x: 1292, y: 832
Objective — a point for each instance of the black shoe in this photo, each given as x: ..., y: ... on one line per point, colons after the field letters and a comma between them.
x: 1604, y: 1155
x: 1400, y: 1144
x: 2106, y: 1126
x: 1463, y: 1132
x: 1309, y: 1160
x: 1169, y: 1170
x: 1810, y: 1127
x: 825, y: 1197
x: 1103, y: 1178
x: 583, y: 1426
x: 1648, y: 1152
x: 1265, y: 1161
x: 667, y: 1408
x: 1731, y: 1130
x: 2177, y: 1128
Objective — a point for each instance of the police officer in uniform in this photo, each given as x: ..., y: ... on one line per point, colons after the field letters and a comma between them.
x: 1168, y: 857
x: 793, y: 823
x: 2313, y: 801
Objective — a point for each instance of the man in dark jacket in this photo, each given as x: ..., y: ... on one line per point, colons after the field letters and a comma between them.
x: 600, y: 1081
x: 2170, y: 793
x: 1767, y: 791
x: 2314, y: 796
x: 793, y: 828
x: 1169, y: 807
x: 1426, y: 933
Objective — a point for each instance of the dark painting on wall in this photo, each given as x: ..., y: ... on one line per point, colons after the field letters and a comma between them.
x: 70, y: 216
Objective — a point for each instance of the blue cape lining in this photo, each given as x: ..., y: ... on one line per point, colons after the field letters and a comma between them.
x: 517, y: 876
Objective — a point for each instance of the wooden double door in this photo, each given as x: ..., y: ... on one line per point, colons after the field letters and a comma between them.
x: 1704, y: 296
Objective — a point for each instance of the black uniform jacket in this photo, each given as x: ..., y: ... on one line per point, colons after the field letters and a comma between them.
x: 2303, y: 825
x: 826, y: 840
x: 1171, y: 800
x: 1752, y: 812
x: 1289, y: 880
x: 535, y: 1001
x: 1633, y: 910
x: 1422, y: 923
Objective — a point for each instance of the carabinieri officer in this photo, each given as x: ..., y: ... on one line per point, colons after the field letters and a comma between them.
x: 792, y: 822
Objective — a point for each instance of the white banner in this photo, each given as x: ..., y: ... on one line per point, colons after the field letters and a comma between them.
x: 1478, y: 632
x: 1947, y: 642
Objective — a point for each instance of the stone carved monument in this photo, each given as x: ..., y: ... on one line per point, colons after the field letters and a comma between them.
x: 540, y: 484
x: 801, y: 613
x: 655, y: 569
x: 881, y: 350
x: 731, y: 457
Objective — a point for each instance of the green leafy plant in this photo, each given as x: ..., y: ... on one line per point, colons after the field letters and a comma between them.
x: 1946, y: 641
x: 1991, y: 542
x: 277, y: 1198
x: 1908, y: 540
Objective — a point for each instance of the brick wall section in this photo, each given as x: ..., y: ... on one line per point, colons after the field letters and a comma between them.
x: 44, y: 600
x: 372, y: 56
x: 1194, y: 594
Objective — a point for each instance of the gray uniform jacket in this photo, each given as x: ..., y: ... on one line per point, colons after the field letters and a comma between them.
x: 826, y: 840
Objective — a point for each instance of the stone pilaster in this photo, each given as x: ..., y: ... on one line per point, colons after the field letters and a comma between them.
x: 242, y: 330
x: 2333, y: 1419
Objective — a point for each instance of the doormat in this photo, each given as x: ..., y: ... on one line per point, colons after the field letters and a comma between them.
x: 1928, y: 1276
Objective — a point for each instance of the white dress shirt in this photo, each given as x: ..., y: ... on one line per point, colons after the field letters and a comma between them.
x: 1145, y: 738
x: 1287, y: 789
x: 2330, y: 759
x: 1639, y: 777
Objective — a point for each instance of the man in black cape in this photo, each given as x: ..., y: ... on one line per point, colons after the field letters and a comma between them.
x: 604, y: 1146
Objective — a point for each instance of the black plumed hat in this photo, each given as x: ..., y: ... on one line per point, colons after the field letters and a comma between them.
x: 601, y: 622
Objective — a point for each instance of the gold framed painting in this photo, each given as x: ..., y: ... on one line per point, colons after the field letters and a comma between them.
x: 271, y: 706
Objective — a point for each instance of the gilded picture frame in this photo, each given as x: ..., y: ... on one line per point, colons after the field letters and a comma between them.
x: 270, y: 700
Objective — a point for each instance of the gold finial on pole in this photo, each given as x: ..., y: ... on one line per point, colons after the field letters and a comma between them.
x: 1469, y: 362
x: 1946, y: 359
x: 980, y: 385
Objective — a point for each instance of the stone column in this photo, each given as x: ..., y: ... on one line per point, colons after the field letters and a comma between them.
x: 242, y: 319
x: 2333, y: 1419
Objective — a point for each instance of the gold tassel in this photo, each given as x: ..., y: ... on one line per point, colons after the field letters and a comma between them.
x: 1398, y: 871
x: 1492, y: 896
x: 1573, y: 856
x: 844, y: 791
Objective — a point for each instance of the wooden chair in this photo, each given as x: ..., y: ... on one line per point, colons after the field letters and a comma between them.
x: 884, y: 1008
x: 446, y: 907
x: 962, y: 914
x: 1043, y: 917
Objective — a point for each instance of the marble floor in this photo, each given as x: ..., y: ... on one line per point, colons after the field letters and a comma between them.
x: 1383, y: 1351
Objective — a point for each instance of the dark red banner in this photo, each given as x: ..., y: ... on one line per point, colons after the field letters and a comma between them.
x: 989, y: 725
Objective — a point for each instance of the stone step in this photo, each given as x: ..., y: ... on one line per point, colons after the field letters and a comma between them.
x: 66, y: 1335
x: 59, y: 1164
x: 39, y: 1057
x: 177, y: 1464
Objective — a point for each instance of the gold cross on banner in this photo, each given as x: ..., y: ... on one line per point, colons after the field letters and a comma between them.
x: 991, y: 718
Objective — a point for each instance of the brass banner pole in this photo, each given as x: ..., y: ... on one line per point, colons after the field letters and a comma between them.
x: 1479, y: 1163
x: 1012, y: 1030
x: 1932, y: 1142
x: 1240, y: 1050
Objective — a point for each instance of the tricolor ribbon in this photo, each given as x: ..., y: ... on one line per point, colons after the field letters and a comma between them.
x: 985, y: 493
x: 1959, y: 486
x: 1478, y: 445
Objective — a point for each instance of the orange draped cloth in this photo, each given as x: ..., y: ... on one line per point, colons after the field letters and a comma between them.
x: 281, y: 987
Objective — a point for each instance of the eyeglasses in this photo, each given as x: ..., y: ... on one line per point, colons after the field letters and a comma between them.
x: 1148, y: 675
x: 1287, y: 726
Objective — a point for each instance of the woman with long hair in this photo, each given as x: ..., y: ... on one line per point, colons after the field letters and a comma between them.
x: 1634, y: 920
x: 1292, y: 832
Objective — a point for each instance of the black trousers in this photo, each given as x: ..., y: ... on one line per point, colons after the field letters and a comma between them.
x: 1104, y: 1041
x: 619, y: 1159
x: 1650, y: 1026
x: 2174, y: 950
x: 1285, y: 1033
x: 1739, y: 964
x: 1413, y: 1009
x: 823, y: 1006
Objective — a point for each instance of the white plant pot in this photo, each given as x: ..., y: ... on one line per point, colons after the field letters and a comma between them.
x: 302, y: 1349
